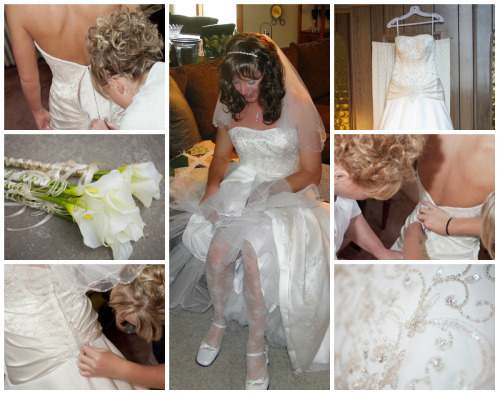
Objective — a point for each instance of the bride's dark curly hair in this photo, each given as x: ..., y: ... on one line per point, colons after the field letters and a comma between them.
x: 266, y: 62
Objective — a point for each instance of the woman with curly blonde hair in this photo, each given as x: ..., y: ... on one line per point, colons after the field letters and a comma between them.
x: 142, y: 304
x: 57, y: 31
x: 125, y: 55
x: 370, y: 165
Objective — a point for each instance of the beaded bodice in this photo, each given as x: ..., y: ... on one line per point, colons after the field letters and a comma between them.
x: 414, y: 326
x: 414, y: 65
x: 273, y: 152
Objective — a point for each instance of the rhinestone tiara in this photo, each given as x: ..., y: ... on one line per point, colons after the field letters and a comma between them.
x: 243, y: 53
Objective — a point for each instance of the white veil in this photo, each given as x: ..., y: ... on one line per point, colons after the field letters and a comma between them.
x: 298, y: 111
x: 80, y: 278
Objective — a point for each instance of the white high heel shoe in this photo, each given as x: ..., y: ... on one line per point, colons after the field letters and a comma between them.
x: 263, y: 382
x: 206, y: 353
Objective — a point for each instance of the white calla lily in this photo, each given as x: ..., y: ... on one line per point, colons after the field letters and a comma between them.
x: 107, y: 214
x: 144, y: 180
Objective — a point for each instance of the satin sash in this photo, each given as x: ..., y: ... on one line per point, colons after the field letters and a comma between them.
x: 433, y: 90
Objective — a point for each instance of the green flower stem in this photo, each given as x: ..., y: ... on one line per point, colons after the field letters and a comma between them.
x: 68, y: 217
x: 101, y: 173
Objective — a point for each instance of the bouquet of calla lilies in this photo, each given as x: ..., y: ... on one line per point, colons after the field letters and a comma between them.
x: 104, y: 209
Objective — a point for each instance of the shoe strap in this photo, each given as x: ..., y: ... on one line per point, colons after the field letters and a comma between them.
x: 257, y: 382
x: 208, y: 347
x: 219, y: 325
x: 263, y: 352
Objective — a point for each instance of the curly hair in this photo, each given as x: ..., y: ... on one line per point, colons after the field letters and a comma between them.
x: 266, y: 63
x: 124, y: 44
x: 488, y: 224
x: 145, y: 298
x: 379, y: 163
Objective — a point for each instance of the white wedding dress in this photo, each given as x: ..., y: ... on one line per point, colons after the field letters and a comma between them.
x: 414, y: 327
x: 45, y: 327
x: 415, y: 97
x: 443, y: 247
x: 73, y: 101
x: 290, y: 236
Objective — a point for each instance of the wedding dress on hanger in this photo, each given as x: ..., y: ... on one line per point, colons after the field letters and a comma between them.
x: 414, y: 327
x: 415, y: 97
x: 48, y: 318
x: 73, y: 101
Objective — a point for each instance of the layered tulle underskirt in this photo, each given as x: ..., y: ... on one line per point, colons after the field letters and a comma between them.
x: 288, y: 234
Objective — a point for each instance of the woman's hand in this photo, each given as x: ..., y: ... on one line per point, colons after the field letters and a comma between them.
x: 433, y: 218
x: 209, y: 191
x: 390, y: 255
x: 98, y: 124
x: 42, y: 119
x: 111, y: 126
x: 99, y: 362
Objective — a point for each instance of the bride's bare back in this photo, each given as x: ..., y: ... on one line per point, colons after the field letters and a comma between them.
x: 458, y: 170
x: 60, y: 30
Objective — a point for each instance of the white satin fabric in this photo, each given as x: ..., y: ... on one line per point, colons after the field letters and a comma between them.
x: 45, y: 327
x: 406, y: 327
x: 443, y: 247
x: 415, y: 97
x: 289, y: 236
x: 73, y: 101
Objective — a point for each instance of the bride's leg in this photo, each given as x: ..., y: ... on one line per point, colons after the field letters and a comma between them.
x: 220, y: 277
x: 257, y: 312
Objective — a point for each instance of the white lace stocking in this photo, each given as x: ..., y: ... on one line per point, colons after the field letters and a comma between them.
x: 220, y: 276
x: 257, y: 315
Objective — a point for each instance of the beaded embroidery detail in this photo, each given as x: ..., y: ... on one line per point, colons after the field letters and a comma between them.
x: 414, y: 326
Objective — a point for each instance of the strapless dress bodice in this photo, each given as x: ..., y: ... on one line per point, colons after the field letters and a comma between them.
x: 273, y: 153
x: 73, y: 101
x: 414, y: 65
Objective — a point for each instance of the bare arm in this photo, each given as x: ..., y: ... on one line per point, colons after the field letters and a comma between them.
x: 220, y: 161
x: 360, y: 233
x: 27, y: 65
x: 309, y: 173
x: 414, y: 235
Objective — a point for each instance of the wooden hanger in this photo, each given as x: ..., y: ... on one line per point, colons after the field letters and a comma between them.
x: 415, y: 10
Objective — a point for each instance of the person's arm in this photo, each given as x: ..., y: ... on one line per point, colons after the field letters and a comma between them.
x: 414, y: 235
x: 99, y: 362
x: 309, y: 173
x: 435, y: 219
x: 27, y: 65
x: 360, y: 233
x: 220, y: 161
